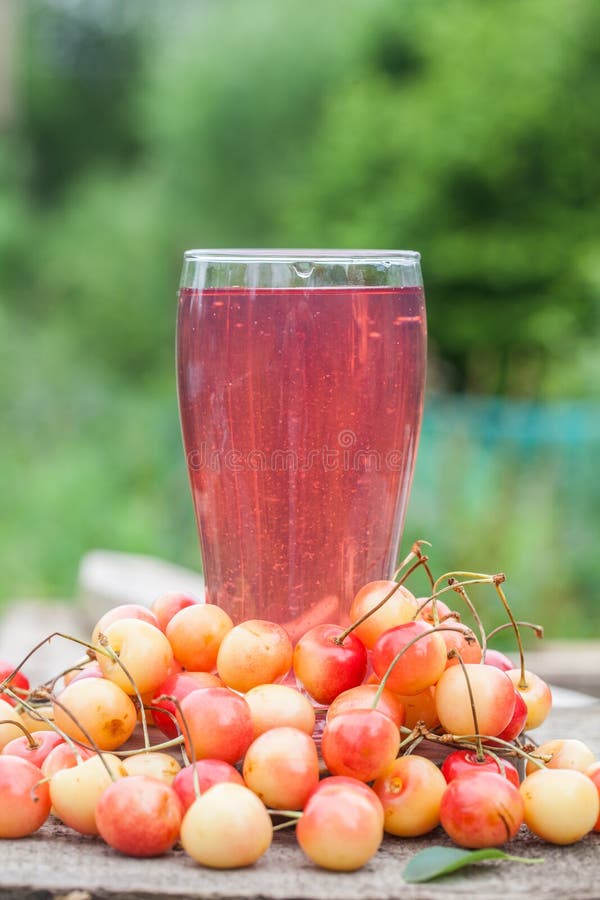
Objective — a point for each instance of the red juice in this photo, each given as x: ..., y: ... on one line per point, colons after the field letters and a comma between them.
x: 300, y: 411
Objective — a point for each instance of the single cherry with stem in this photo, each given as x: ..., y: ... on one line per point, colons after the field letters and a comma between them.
x: 427, y: 633
x: 421, y: 561
x: 328, y: 661
x: 480, y: 753
x: 492, y: 690
x: 35, y: 749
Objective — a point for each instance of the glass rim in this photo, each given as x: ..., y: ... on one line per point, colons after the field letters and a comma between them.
x: 272, y: 255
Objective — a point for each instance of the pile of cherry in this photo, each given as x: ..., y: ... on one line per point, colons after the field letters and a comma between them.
x: 238, y: 760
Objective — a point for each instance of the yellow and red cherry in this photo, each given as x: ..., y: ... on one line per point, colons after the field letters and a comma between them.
x: 24, y: 797
x: 536, y: 694
x: 420, y: 708
x: 482, y: 809
x: 96, y: 712
x: 36, y: 749
x: 209, y: 772
x: 561, y: 805
x: 444, y: 613
x: 498, y: 659
x: 493, y: 697
x: 178, y: 686
x: 75, y: 791
x: 340, y: 828
x: 124, y: 611
x: 420, y: 664
x: 17, y: 682
x: 411, y: 791
x: 139, y: 816
x: 517, y: 722
x: 565, y: 753
x: 326, y: 668
x: 334, y: 781
x: 282, y: 767
x: 218, y: 723
x: 360, y: 743
x: 461, y: 639
x: 142, y: 650
x: 152, y: 764
x: 63, y: 757
x: 91, y: 670
x: 399, y: 608
x: 10, y: 721
x: 362, y: 697
x: 465, y: 762
x: 226, y: 827
x: 276, y: 705
x: 33, y: 721
x: 168, y: 605
x: 195, y: 634
x: 593, y: 772
x: 252, y: 653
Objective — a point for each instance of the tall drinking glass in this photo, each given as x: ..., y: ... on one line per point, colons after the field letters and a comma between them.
x: 301, y: 376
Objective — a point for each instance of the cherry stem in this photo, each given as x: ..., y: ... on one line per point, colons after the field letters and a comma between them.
x: 406, y: 647
x: 474, y: 578
x: 33, y: 744
x: 46, y: 640
x: 293, y: 816
x: 512, y: 747
x: 188, y: 734
x: 413, y: 745
x: 501, y: 763
x: 462, y: 593
x: 412, y: 734
x: 415, y: 551
x: 37, y: 785
x: 454, y: 654
x: 498, y: 579
x: 179, y: 740
x: 537, y: 629
x: 484, y: 579
x: 75, y: 667
x: 104, y: 643
x: 86, y: 734
x: 166, y: 745
x: 412, y: 554
x: 342, y: 637
x: 428, y: 571
x: 19, y: 691
x: 283, y: 825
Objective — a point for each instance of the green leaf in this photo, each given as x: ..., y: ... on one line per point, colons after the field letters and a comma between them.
x: 435, y: 861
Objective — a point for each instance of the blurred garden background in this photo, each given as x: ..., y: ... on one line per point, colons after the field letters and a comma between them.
x: 470, y: 131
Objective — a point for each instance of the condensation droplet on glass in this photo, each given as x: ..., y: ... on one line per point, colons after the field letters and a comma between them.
x: 303, y: 269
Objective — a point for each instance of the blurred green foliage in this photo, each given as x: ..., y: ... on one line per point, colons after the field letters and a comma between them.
x: 467, y: 130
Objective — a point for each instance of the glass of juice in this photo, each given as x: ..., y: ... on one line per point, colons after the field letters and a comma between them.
x: 301, y: 376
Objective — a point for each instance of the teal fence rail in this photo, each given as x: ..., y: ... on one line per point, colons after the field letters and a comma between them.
x: 515, y: 486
